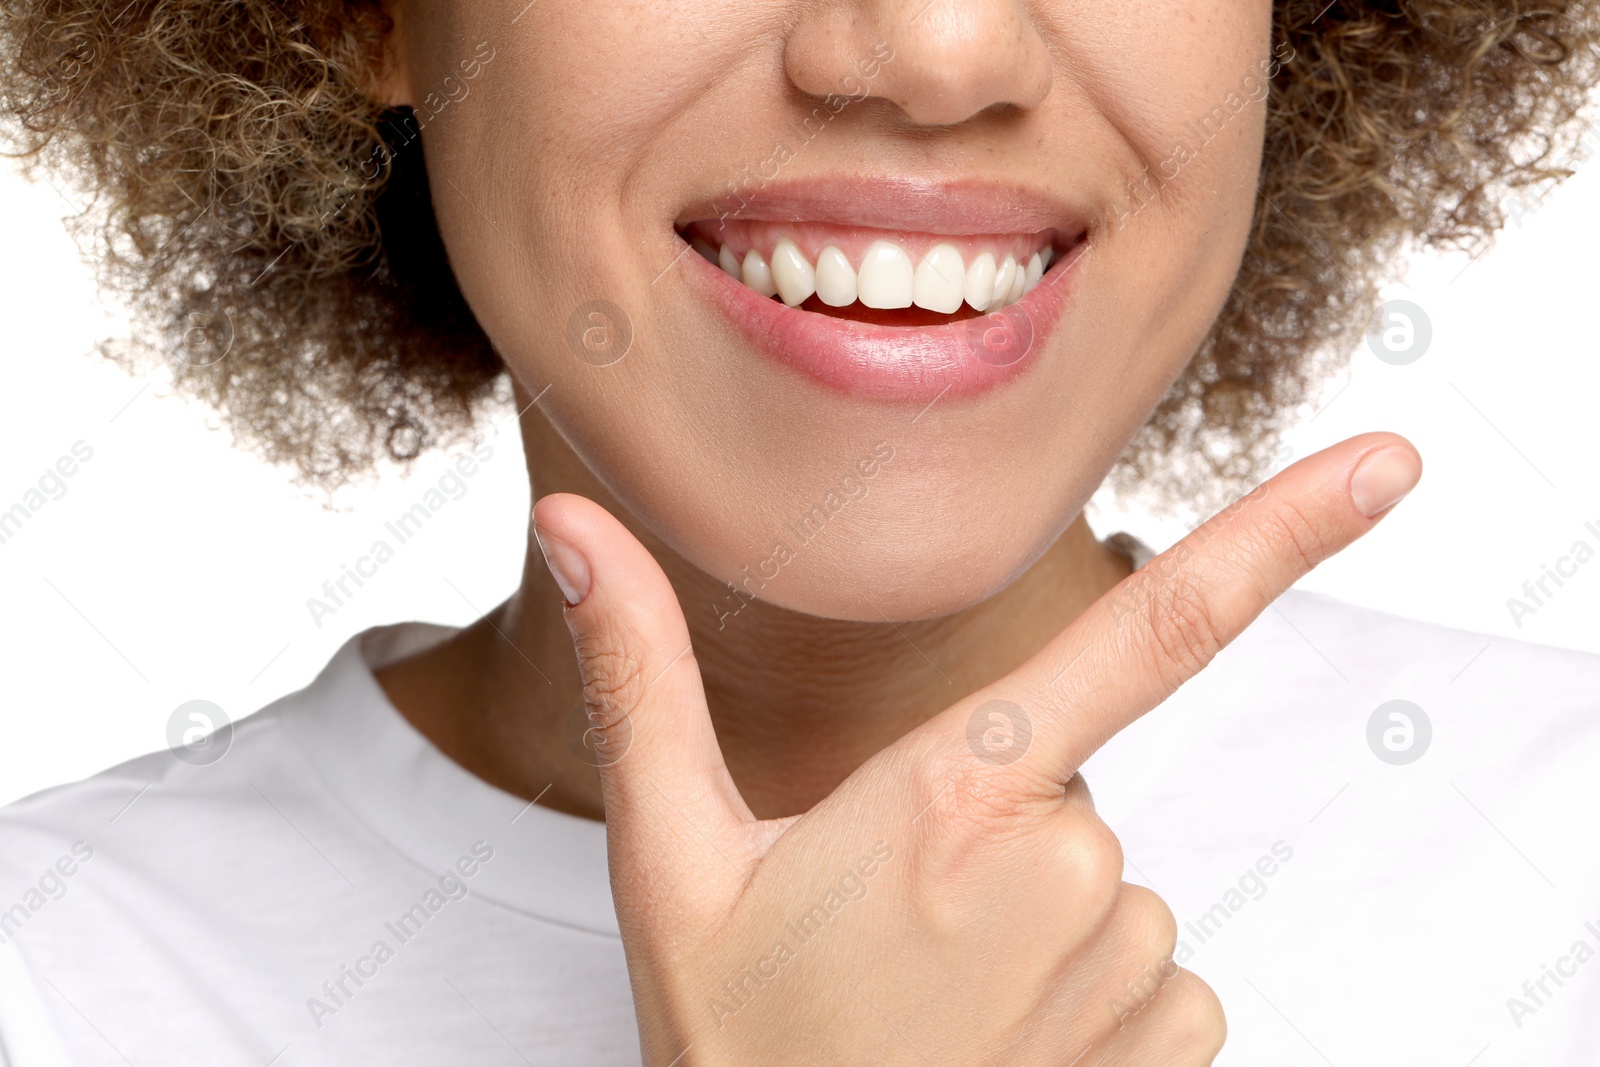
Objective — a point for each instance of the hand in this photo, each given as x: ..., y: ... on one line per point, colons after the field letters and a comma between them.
x: 948, y: 903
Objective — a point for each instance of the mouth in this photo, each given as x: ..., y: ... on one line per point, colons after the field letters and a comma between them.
x: 888, y: 290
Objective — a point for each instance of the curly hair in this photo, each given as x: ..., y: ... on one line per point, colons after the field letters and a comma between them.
x: 270, y: 224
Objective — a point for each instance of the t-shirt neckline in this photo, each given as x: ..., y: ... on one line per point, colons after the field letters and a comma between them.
x: 431, y: 810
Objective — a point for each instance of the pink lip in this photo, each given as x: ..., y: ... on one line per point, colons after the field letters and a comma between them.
x: 911, y: 205
x: 892, y: 362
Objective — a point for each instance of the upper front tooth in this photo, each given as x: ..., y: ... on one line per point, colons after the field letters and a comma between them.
x: 886, y: 279
x: 1035, y: 272
x: 792, y: 273
x: 941, y: 280
x: 980, y: 281
x: 730, y: 262
x: 836, y: 278
x: 757, y: 275
x: 1002, y: 282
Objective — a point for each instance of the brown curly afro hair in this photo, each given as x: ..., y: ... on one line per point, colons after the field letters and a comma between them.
x: 272, y: 229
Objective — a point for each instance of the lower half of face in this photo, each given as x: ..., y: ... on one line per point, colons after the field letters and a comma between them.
x: 852, y: 304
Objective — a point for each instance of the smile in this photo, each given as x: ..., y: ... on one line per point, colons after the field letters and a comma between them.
x: 956, y: 297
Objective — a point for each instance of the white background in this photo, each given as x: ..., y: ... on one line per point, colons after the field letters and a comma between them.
x: 177, y: 568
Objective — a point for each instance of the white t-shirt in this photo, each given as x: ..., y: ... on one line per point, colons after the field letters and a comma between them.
x: 335, y: 891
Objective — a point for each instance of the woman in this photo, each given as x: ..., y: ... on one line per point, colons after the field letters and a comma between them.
x: 822, y: 321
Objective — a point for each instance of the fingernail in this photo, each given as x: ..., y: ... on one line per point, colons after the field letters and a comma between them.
x: 567, y: 566
x: 1383, y: 478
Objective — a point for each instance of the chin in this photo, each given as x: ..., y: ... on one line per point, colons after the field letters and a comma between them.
x: 891, y: 556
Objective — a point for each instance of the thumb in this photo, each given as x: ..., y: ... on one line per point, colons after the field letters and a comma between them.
x: 666, y: 788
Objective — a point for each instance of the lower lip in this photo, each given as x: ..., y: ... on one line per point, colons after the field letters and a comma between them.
x: 908, y: 364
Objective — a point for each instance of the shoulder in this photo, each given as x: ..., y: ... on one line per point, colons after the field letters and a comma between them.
x: 79, y: 824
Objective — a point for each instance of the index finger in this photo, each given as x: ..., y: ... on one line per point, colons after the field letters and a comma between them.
x: 1165, y: 623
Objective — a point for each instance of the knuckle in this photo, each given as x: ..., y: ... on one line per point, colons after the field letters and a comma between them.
x: 1093, y: 859
x: 1184, y: 635
x: 1152, y: 929
x: 1194, y: 1014
x: 1291, y: 534
x: 960, y: 792
x: 613, y: 681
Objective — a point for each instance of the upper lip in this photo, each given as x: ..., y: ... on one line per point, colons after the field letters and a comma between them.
x: 912, y: 205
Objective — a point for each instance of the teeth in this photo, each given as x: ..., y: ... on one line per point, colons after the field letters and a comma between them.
x: 887, y: 278
x: 1019, y: 285
x: 792, y: 273
x: 836, y: 278
x: 941, y: 280
x: 757, y: 275
x: 980, y: 282
x: 1002, y: 283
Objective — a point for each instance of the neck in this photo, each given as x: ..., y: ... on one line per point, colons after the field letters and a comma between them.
x: 798, y: 702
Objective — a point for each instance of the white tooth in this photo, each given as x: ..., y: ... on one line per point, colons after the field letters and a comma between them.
x: 941, y: 280
x: 1035, y: 272
x: 730, y: 263
x: 792, y: 273
x: 699, y: 244
x: 980, y: 281
x: 885, y: 280
x: 836, y: 278
x: 1002, y: 282
x: 1046, y: 256
x: 1019, y: 285
x: 757, y: 275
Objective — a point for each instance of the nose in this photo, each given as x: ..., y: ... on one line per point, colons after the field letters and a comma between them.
x: 939, y: 61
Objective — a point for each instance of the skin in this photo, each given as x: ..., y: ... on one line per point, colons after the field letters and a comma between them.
x: 554, y: 185
x: 809, y: 719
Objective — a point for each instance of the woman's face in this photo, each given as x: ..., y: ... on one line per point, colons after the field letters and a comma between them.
x: 849, y: 456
